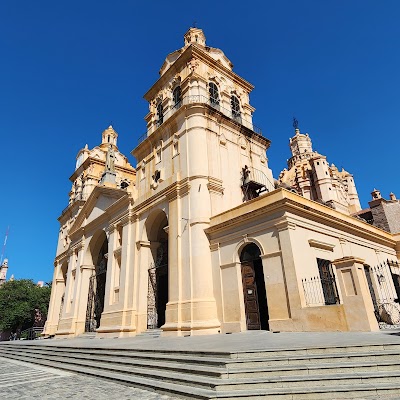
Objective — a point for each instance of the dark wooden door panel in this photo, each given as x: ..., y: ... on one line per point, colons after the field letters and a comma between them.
x: 250, y: 296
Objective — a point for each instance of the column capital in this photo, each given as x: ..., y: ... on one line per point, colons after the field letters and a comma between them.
x: 347, y: 261
x: 86, y: 266
x: 284, y: 225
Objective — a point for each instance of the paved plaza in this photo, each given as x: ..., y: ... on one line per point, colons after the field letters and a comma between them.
x: 20, y: 380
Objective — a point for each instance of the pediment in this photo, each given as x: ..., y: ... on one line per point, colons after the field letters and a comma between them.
x: 101, y: 199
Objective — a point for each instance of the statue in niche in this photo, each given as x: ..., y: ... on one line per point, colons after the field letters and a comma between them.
x: 110, y: 159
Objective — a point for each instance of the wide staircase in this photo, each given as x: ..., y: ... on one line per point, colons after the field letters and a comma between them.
x: 335, y: 372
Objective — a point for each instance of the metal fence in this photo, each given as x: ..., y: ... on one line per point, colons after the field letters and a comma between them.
x: 384, y: 285
x: 320, y: 291
x: 31, y: 333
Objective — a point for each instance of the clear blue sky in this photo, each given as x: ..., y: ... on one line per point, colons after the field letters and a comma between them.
x: 69, y: 68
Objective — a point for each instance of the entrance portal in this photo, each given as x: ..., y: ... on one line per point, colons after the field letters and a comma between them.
x: 157, y: 296
x: 97, y: 289
x: 254, y: 293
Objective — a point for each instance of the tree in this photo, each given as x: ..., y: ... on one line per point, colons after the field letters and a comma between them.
x: 22, y: 303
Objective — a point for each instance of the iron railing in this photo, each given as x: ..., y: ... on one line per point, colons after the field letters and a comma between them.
x: 31, y: 333
x: 320, y: 291
x: 250, y: 174
x: 384, y: 284
x: 193, y: 99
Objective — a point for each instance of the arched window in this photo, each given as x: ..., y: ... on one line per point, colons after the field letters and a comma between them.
x: 214, y: 94
x: 177, y: 96
x: 160, y: 114
x: 235, y: 107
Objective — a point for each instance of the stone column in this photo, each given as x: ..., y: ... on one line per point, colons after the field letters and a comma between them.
x: 53, y: 315
x: 85, y: 272
x: 295, y: 297
x: 173, y: 310
x: 356, y: 297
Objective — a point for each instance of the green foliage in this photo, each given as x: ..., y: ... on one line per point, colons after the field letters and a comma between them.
x: 18, y: 301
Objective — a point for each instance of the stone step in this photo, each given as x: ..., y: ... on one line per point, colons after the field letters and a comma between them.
x: 235, y: 383
x: 87, y: 335
x: 155, y: 333
x: 391, y: 355
x: 223, y: 372
x: 299, y: 393
x: 127, y: 362
x: 131, y: 379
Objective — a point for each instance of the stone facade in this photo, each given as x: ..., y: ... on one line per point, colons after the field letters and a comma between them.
x: 382, y: 213
x: 311, y: 176
x: 196, y: 240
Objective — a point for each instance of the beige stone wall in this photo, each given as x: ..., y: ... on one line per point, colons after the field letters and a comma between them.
x: 291, y: 233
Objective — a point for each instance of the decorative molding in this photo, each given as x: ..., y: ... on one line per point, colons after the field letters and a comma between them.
x: 270, y: 255
x: 200, y: 220
x: 321, y: 245
x: 284, y: 225
x: 143, y: 243
x: 229, y: 265
x: 214, y: 246
x: 118, y: 251
x: 215, y: 186
x: 193, y: 65
x: 125, y: 220
x: 86, y: 266
x: 347, y: 261
x: 222, y: 140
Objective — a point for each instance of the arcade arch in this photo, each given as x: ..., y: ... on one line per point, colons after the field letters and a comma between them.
x: 98, y: 252
x: 157, y: 295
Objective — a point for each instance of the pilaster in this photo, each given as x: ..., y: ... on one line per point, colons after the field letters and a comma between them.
x: 356, y: 297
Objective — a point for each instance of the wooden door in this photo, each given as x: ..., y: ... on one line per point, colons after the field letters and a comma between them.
x: 250, y: 296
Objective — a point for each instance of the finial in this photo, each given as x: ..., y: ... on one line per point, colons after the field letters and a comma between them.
x: 376, y: 194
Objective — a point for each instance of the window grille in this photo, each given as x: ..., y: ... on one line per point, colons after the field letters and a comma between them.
x: 214, y: 94
x: 177, y: 96
x: 160, y: 114
x: 328, y: 281
x: 235, y: 107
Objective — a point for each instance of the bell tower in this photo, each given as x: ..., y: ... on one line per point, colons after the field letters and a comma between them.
x: 3, y: 271
x: 200, y: 138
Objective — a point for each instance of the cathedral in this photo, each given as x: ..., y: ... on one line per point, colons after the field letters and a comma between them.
x: 198, y: 238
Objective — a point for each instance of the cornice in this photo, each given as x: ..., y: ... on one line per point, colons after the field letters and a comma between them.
x: 282, y: 201
x: 121, y: 196
x: 93, y: 160
x: 197, y: 52
x: 171, y: 192
x: 214, y: 185
x: 321, y: 245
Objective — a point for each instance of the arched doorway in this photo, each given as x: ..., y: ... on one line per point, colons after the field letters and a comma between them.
x: 157, y: 295
x: 97, y: 284
x: 254, y: 293
x: 63, y: 276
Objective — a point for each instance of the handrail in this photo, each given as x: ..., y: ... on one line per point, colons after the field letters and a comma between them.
x: 193, y: 99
